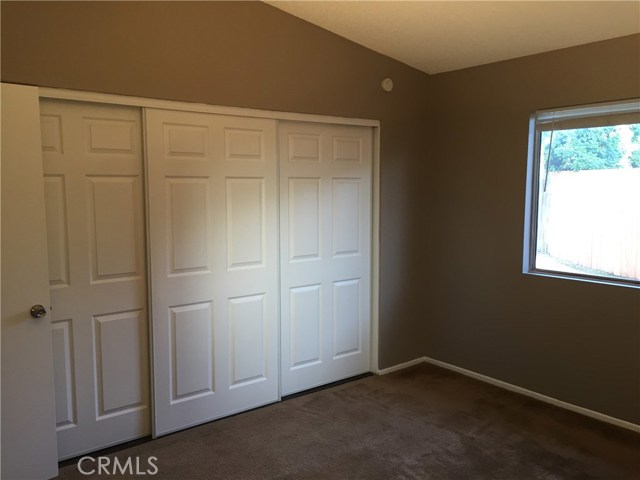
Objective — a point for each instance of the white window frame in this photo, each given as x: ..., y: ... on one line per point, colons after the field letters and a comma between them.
x: 536, y: 126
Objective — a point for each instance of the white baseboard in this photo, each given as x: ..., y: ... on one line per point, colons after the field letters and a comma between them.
x: 514, y: 388
x: 400, y: 366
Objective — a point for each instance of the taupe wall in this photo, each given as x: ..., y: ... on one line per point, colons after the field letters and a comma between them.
x: 245, y: 54
x: 453, y: 170
x: 574, y: 341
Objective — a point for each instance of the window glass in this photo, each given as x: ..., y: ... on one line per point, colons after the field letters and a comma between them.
x: 587, y: 209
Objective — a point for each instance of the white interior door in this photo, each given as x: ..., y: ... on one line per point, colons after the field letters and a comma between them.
x: 28, y: 412
x: 93, y: 184
x: 325, y: 253
x: 213, y: 239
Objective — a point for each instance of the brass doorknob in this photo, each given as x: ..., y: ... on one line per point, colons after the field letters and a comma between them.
x: 38, y: 311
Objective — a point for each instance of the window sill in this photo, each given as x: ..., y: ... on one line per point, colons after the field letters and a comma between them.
x: 584, y: 278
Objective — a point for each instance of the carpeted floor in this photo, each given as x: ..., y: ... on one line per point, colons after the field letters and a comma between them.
x: 420, y: 423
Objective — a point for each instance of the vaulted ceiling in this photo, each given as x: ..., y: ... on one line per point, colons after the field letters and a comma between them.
x: 440, y: 36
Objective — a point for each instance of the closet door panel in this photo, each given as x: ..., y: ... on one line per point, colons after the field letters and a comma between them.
x: 325, y: 252
x: 94, y: 193
x: 213, y: 237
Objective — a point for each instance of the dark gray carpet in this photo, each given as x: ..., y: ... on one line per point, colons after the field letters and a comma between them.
x: 420, y: 423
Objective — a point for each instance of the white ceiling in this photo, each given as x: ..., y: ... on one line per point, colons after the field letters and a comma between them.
x: 440, y: 36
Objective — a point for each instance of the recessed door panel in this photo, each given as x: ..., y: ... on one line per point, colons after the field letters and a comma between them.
x: 245, y: 222
x: 346, y: 317
x: 248, y: 335
x: 303, y: 147
x: 106, y: 135
x: 305, y: 326
x: 57, y: 240
x: 346, y: 216
x: 51, y: 133
x: 121, y: 361
x: 114, y: 227
x: 191, y: 349
x: 243, y: 144
x: 64, y: 378
x: 190, y: 141
x: 188, y: 209
x: 347, y: 149
x: 304, y: 218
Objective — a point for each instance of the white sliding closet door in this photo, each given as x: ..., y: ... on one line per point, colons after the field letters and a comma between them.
x: 93, y: 184
x: 213, y: 239
x: 325, y: 252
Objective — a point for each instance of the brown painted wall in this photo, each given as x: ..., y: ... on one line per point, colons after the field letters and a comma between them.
x: 453, y: 169
x: 574, y: 341
x: 245, y: 54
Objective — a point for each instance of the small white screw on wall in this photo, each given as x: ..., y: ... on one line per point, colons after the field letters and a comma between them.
x: 387, y: 84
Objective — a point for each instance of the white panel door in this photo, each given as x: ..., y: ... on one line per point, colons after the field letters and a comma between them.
x: 93, y: 187
x: 214, y: 268
x: 28, y: 411
x: 325, y: 253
